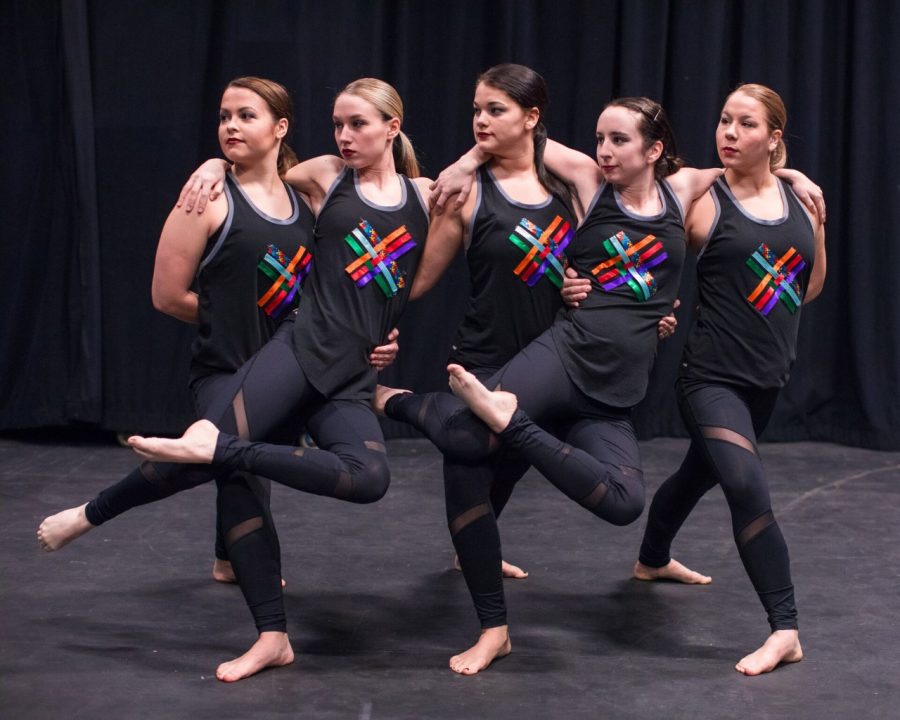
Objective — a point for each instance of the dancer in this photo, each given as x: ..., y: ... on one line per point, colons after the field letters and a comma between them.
x: 315, y: 369
x: 581, y: 377
x: 514, y: 228
x: 248, y: 256
x: 762, y: 257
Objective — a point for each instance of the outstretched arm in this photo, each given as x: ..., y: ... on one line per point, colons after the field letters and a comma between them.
x: 456, y: 180
x: 312, y: 177
x: 806, y: 190
x: 205, y: 184
x: 579, y: 170
x: 690, y: 183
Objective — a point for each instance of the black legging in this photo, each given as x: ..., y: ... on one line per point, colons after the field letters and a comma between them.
x: 724, y: 423
x: 596, y: 463
x: 267, y: 398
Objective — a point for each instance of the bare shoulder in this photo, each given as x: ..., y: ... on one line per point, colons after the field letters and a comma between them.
x: 423, y: 185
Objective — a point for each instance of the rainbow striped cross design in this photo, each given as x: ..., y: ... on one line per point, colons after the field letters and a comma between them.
x: 378, y: 258
x: 629, y: 263
x: 543, y: 250
x: 778, y: 279
x: 287, y: 278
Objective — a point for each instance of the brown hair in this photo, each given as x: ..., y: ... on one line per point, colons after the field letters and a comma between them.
x: 654, y: 126
x: 528, y: 89
x: 776, y: 117
x: 387, y: 101
x: 278, y: 99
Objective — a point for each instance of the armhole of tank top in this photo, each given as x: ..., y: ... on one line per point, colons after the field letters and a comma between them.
x: 671, y: 197
x: 337, y: 181
x: 479, y: 196
x: 590, y: 208
x: 415, y: 190
x: 788, y: 190
x: 295, y: 202
x: 717, y: 215
x: 223, y: 230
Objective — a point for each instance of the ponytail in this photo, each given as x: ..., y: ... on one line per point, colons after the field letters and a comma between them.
x: 405, y: 156
x: 778, y: 157
x: 287, y: 158
x: 557, y: 187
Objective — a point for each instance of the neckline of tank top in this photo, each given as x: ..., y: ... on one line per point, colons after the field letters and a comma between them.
x: 513, y: 201
x: 295, y: 207
x: 663, y: 199
x: 785, y: 211
x: 372, y: 203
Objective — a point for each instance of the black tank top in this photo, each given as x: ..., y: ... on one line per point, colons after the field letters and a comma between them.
x: 366, y: 258
x: 515, y: 259
x: 608, y: 344
x: 248, y: 280
x: 751, y: 276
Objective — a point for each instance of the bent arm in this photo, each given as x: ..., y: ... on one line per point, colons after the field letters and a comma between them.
x: 178, y: 254
x: 445, y: 239
x: 817, y: 279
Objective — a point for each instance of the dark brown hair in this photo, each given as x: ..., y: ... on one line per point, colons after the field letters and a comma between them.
x: 278, y: 99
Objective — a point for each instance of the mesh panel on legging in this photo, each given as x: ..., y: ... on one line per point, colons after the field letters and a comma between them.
x: 473, y: 529
x: 724, y: 422
x: 447, y: 422
x: 149, y: 482
x: 252, y: 546
x: 597, y: 465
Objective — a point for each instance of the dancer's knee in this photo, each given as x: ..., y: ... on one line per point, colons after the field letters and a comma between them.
x: 628, y: 511
x: 372, y: 480
x: 625, y: 498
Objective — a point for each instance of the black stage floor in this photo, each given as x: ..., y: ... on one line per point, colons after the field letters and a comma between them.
x: 126, y: 622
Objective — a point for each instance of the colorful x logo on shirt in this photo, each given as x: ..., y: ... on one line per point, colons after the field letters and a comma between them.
x: 778, y: 279
x: 543, y: 250
x: 378, y: 258
x: 629, y: 263
x: 287, y: 279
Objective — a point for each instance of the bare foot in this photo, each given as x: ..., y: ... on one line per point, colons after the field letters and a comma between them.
x: 383, y: 393
x: 496, y: 407
x: 223, y: 572
x: 782, y: 646
x: 493, y: 643
x: 59, y: 530
x: 197, y: 445
x: 674, y: 571
x: 508, y: 569
x: 272, y: 649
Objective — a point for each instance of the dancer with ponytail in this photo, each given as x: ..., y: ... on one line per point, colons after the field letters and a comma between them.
x: 762, y: 257
x: 314, y: 370
x: 579, y: 378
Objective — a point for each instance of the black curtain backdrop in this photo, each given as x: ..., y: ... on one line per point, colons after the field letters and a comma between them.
x: 109, y: 104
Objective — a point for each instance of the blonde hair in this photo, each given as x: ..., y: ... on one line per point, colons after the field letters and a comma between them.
x: 776, y: 117
x: 278, y: 99
x: 387, y: 101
